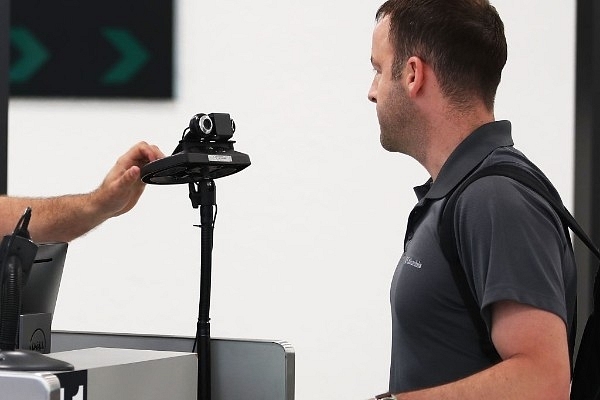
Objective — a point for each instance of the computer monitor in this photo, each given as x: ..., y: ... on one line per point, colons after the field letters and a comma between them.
x: 40, y: 291
x: 31, y: 276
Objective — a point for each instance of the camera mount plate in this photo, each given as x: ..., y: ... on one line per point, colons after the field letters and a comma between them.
x: 187, y: 167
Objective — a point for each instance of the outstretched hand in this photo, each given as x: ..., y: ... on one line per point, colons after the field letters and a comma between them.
x: 122, y: 186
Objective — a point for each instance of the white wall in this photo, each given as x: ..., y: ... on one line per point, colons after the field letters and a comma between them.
x: 307, y: 238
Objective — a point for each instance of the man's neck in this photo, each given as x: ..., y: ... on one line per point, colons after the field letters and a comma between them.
x: 447, y: 132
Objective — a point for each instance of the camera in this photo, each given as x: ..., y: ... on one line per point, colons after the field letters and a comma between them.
x: 205, y: 151
x: 217, y: 127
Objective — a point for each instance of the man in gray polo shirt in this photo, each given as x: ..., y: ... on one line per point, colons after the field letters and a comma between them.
x: 437, y: 66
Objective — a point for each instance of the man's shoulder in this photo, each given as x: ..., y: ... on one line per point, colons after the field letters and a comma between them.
x: 502, y: 186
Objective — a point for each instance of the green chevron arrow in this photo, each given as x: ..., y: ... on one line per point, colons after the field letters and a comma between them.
x: 33, y: 55
x: 133, y: 56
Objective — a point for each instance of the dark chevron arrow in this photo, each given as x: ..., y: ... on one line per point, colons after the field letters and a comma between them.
x: 133, y: 56
x: 33, y: 55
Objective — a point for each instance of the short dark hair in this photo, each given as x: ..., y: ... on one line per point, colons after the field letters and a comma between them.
x: 462, y: 40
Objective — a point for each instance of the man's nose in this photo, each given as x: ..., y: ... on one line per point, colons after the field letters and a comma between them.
x: 372, y: 95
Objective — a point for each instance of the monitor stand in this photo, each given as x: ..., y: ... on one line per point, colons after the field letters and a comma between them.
x: 25, y: 360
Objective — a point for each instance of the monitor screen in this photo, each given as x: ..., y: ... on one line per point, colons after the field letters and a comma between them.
x: 41, y: 289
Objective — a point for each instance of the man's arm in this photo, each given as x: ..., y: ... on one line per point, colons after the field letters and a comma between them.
x: 534, y: 347
x: 65, y: 218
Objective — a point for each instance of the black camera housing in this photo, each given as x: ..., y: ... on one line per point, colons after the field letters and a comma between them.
x: 215, y: 126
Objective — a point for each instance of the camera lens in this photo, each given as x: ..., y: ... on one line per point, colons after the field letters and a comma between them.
x: 205, y: 124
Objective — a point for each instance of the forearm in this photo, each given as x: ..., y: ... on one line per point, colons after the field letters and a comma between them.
x: 64, y: 218
x: 61, y: 218
x: 516, y: 378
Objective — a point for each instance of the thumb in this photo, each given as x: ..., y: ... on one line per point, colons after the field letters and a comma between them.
x: 131, y: 175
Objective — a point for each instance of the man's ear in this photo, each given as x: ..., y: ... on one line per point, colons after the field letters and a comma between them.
x: 414, y: 75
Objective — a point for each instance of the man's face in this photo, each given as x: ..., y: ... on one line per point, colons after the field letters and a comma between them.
x: 398, y: 118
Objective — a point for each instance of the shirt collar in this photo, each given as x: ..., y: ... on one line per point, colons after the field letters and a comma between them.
x: 466, y: 157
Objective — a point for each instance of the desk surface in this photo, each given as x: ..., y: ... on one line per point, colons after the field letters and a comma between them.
x: 108, y: 374
x: 240, y: 368
x: 99, y: 357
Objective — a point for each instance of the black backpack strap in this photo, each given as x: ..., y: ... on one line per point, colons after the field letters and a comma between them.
x: 448, y: 238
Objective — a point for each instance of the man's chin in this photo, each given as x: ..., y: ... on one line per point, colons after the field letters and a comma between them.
x: 387, y: 144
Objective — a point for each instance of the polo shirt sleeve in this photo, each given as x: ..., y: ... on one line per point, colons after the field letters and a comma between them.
x: 512, y: 246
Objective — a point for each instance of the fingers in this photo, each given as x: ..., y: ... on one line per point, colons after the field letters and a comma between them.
x: 148, y: 151
x: 122, y: 186
x: 139, y: 155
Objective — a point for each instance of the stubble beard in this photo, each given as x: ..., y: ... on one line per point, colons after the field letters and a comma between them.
x: 400, y: 125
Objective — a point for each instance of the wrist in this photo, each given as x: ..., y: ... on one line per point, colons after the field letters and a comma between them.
x: 94, y: 205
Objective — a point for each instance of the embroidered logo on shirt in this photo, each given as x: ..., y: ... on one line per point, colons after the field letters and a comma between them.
x: 407, y: 260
